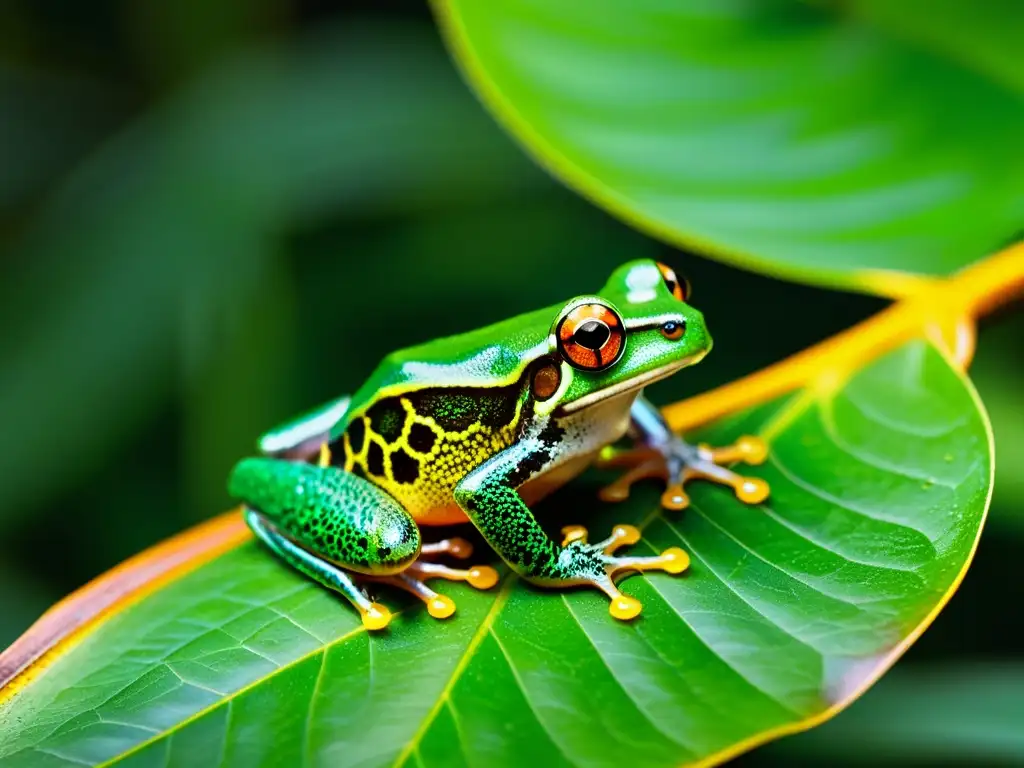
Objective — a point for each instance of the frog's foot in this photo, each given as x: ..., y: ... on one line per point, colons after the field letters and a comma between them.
x: 456, y: 547
x: 374, y: 615
x: 438, y: 606
x: 413, y: 579
x: 596, y: 564
x: 477, y: 576
x: 677, y: 463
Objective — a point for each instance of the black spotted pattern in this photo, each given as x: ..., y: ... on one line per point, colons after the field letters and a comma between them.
x: 387, y: 418
x: 356, y: 435
x: 534, y: 460
x: 404, y: 468
x: 328, y: 512
x: 375, y: 460
x: 422, y: 438
x: 454, y: 409
x: 419, y: 461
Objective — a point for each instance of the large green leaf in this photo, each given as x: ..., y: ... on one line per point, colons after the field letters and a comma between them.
x: 821, y: 141
x: 879, y: 491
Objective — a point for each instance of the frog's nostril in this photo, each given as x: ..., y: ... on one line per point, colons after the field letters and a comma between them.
x: 673, y: 330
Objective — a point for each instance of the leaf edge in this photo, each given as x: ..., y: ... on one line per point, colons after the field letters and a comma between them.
x: 893, y: 284
x: 120, y: 588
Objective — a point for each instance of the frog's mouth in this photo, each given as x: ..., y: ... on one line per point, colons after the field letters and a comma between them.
x: 630, y: 385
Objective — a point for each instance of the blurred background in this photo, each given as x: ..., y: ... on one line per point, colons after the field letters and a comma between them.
x: 214, y: 215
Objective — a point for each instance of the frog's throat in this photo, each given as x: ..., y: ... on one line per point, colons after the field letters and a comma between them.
x: 636, y: 383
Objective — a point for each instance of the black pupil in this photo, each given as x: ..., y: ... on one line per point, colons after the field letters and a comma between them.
x: 672, y: 284
x: 670, y: 327
x: 592, y: 334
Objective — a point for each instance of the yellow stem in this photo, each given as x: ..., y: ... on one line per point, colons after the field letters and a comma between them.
x: 942, y: 310
x: 990, y: 283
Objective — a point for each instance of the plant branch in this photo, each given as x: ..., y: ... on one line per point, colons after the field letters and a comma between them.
x: 944, y: 311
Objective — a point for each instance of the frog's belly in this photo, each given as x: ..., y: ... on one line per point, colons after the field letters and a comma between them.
x: 584, y: 435
x: 531, y: 492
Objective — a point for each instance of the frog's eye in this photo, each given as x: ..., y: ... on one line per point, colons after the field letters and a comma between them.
x: 680, y: 288
x: 591, y: 337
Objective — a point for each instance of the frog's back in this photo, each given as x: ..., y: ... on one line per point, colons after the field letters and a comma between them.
x: 488, y: 357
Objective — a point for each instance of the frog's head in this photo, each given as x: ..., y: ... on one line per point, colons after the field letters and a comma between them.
x: 636, y: 330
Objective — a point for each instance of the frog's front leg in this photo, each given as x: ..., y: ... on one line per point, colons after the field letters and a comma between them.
x: 337, y: 528
x: 663, y: 454
x: 489, y: 497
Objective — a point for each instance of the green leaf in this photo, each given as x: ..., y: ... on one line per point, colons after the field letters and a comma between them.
x: 828, y: 142
x: 879, y: 491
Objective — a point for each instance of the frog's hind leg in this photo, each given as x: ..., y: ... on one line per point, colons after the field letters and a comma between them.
x: 328, y: 524
x: 477, y: 576
x: 438, y: 606
x: 662, y: 454
x: 375, y: 615
x: 336, y: 528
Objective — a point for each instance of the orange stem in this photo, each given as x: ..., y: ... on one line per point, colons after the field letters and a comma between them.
x: 942, y: 310
x: 57, y: 630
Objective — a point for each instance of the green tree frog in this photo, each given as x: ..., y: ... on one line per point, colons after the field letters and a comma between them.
x: 477, y: 427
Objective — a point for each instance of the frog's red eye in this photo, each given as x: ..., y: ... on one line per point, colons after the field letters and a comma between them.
x: 680, y: 288
x: 591, y: 337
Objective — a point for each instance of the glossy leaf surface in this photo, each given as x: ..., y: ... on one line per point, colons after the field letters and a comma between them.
x: 879, y: 491
x: 821, y: 141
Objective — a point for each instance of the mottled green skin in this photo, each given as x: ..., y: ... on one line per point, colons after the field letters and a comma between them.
x: 304, y: 561
x: 492, y: 502
x: 341, y: 516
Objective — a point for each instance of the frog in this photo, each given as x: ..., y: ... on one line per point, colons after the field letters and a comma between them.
x: 478, y: 427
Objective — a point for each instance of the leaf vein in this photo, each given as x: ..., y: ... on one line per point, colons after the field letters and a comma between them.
x: 307, y: 728
x: 775, y: 566
x: 671, y: 737
x: 843, y: 504
x: 866, y: 457
x: 715, y: 652
x: 230, y: 698
x: 529, y: 703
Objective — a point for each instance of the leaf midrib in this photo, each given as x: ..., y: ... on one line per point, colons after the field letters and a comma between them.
x: 481, y: 632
